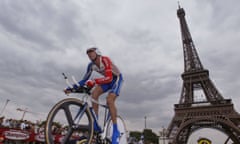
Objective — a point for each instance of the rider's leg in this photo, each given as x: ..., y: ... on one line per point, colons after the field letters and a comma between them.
x: 113, y: 111
x: 112, y: 108
x: 95, y: 95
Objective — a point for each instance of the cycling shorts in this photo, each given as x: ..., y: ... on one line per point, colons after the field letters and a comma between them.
x: 114, y: 86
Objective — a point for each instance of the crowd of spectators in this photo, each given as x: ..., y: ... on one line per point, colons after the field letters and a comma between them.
x: 24, y: 125
x: 37, y: 127
x: 21, y: 124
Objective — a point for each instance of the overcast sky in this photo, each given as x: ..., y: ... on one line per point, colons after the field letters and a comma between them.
x: 41, y: 39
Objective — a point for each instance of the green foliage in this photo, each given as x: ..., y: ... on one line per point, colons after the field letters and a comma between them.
x: 149, y: 136
x: 136, y: 135
x: 57, y: 124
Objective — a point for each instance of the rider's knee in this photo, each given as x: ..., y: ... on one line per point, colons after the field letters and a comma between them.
x: 96, y: 93
x: 111, y: 99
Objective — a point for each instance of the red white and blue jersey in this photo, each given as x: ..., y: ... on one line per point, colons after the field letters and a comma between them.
x: 108, y: 69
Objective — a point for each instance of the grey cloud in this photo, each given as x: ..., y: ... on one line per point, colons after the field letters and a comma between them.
x: 40, y: 41
x: 45, y: 23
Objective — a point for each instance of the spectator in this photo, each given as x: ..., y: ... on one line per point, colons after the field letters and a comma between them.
x: 23, y: 125
x: 1, y: 121
x: 6, y: 123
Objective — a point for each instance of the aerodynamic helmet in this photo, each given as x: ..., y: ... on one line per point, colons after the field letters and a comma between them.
x: 93, y: 49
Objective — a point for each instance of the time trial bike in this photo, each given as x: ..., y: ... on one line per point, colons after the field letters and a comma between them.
x: 71, y: 121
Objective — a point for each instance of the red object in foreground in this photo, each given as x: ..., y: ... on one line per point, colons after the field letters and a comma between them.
x: 90, y: 83
x: 23, y: 135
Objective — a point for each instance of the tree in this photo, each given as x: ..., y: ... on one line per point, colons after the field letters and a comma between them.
x: 150, y: 137
x: 136, y: 135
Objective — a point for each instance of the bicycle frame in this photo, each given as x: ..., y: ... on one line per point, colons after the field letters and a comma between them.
x: 107, y: 115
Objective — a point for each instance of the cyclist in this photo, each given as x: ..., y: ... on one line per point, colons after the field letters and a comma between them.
x: 110, y: 82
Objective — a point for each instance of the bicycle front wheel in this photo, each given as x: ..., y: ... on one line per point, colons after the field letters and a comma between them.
x: 69, y: 120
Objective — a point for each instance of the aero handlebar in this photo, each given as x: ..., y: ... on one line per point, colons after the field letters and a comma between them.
x: 78, y: 88
x: 81, y: 89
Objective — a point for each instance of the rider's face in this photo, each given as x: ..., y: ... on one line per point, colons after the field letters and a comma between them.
x: 92, y: 55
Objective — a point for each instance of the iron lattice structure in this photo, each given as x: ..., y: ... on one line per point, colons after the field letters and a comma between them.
x: 212, y: 110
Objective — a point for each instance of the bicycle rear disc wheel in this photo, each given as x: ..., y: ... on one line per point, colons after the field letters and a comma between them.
x: 69, y: 120
x: 122, y: 129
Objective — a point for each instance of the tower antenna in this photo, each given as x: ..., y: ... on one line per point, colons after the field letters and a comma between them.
x: 179, y: 5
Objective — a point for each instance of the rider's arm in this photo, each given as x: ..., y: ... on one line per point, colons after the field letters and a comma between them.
x: 108, y: 72
x: 82, y: 82
x: 87, y: 75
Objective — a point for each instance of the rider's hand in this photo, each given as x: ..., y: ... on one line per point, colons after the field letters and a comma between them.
x: 90, y: 83
x: 67, y: 91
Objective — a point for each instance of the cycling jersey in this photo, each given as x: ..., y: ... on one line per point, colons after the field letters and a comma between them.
x: 106, y: 68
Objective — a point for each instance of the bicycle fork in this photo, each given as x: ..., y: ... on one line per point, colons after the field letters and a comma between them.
x: 80, y: 112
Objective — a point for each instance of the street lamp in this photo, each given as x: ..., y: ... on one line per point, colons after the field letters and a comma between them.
x: 4, y: 106
x: 145, y: 122
x: 22, y: 110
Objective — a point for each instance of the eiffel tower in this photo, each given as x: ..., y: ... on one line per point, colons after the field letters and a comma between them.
x: 200, y: 105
